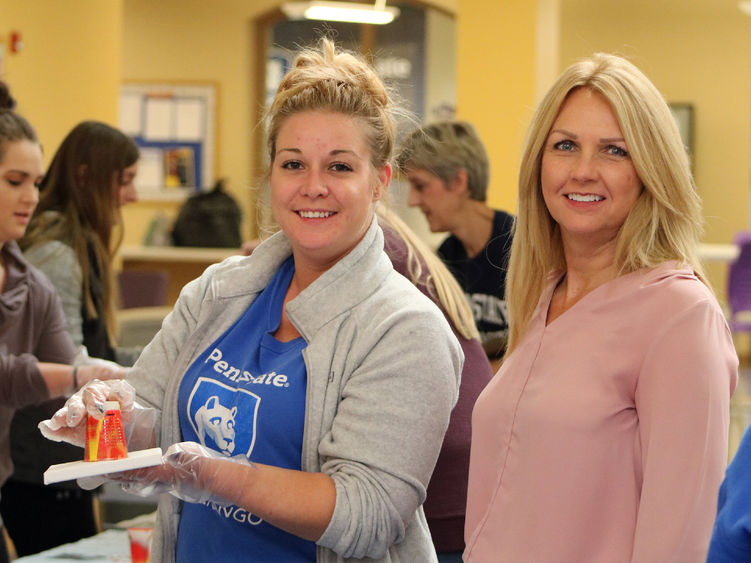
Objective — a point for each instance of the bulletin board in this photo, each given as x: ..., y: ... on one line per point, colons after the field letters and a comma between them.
x: 174, y: 127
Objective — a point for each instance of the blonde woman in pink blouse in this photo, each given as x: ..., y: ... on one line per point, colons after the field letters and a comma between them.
x: 604, y: 435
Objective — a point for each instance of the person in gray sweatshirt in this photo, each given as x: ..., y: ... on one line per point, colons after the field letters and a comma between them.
x: 36, y: 351
x: 302, y: 392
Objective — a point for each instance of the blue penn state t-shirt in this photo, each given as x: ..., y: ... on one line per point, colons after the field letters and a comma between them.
x: 245, y: 395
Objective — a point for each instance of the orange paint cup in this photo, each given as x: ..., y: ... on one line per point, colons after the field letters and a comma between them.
x: 105, y: 438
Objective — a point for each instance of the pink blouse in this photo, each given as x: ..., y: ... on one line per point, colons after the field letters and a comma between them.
x: 604, y: 436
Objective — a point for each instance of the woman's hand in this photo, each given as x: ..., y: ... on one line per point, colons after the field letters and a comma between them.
x: 69, y: 423
x: 88, y: 368
x: 103, y: 371
x: 189, y: 471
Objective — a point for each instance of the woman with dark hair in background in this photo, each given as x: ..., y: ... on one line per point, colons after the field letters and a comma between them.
x: 75, y: 233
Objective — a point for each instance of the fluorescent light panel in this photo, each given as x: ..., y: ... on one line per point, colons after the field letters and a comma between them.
x: 340, y: 11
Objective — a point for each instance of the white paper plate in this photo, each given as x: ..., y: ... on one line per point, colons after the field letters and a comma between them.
x: 76, y: 469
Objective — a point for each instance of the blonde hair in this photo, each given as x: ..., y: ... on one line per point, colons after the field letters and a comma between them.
x: 439, y: 282
x: 444, y: 148
x: 664, y: 224
x: 328, y: 80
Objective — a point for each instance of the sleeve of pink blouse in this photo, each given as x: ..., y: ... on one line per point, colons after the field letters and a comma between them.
x: 683, y: 401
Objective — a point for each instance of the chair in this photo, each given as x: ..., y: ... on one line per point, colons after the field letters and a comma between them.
x: 143, y: 288
x: 143, y: 306
x: 739, y: 285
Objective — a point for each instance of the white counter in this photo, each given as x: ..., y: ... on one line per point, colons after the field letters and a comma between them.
x: 110, y: 546
x: 182, y: 254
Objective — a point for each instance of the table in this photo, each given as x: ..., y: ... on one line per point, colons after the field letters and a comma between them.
x: 110, y: 546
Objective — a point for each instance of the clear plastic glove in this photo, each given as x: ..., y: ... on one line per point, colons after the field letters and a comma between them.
x: 87, y: 373
x: 88, y: 368
x: 190, y: 472
x: 69, y: 423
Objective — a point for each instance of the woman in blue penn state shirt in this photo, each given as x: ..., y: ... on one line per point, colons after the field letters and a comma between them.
x: 303, y: 391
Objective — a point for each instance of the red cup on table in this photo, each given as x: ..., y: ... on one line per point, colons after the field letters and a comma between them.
x: 140, y: 544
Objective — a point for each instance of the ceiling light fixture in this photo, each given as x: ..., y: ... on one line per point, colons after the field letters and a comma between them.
x: 377, y: 13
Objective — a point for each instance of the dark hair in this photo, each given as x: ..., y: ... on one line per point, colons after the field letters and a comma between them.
x: 78, y: 182
x: 77, y: 203
x: 13, y: 127
x: 6, y: 100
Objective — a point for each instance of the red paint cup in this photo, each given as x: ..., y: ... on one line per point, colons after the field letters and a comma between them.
x: 140, y: 544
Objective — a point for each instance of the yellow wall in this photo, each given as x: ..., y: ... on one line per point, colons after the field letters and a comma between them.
x: 495, y: 77
x: 69, y: 67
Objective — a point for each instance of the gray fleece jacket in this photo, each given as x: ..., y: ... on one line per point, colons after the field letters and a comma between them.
x: 383, y: 375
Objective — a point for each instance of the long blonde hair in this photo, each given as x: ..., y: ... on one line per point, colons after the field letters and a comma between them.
x: 664, y: 224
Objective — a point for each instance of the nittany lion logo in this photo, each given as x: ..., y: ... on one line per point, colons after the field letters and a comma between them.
x: 218, y: 423
x: 223, y: 417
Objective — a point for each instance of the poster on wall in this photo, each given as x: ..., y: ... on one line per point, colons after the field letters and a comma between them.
x: 173, y: 125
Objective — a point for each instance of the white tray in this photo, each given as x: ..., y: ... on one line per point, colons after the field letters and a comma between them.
x: 76, y: 469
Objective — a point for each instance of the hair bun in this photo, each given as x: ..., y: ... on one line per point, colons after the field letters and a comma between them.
x: 6, y: 100
x: 323, y: 78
